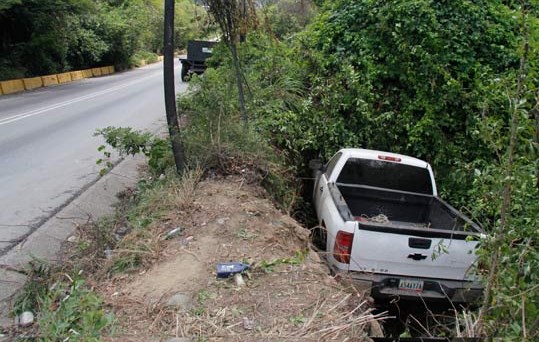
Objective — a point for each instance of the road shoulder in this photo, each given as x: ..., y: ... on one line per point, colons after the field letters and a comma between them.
x: 45, y: 243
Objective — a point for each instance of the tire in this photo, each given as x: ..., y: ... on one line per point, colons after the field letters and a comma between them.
x: 185, y: 72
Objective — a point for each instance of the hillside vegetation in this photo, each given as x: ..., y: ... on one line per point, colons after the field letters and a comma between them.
x: 454, y: 83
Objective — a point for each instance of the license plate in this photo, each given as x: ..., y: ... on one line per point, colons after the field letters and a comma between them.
x: 411, y: 285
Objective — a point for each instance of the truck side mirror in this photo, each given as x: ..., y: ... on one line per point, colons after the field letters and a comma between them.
x: 316, y: 165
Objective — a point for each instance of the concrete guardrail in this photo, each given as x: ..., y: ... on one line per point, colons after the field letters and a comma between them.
x: 15, y: 86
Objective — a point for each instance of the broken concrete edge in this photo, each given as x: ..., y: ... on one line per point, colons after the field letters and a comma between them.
x: 45, y: 242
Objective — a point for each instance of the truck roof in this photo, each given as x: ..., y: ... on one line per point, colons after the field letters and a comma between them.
x: 380, y: 155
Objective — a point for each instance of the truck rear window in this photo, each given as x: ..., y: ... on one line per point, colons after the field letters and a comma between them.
x: 387, y: 175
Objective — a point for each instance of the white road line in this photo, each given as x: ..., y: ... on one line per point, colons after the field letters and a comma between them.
x: 35, y: 112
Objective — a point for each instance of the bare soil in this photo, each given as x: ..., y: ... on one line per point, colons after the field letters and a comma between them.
x: 289, y: 294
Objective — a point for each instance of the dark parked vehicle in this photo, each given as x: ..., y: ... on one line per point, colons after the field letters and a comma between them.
x: 197, y: 53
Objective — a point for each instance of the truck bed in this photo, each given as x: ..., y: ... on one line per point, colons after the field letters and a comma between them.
x: 371, y: 204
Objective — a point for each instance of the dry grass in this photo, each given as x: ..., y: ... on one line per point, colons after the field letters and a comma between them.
x: 288, y: 294
x: 468, y: 325
x: 328, y: 318
x: 97, y: 251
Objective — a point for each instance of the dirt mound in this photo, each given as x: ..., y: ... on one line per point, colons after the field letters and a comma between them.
x: 288, y: 293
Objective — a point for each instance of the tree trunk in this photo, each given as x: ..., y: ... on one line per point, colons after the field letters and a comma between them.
x: 239, y: 77
x: 170, y: 94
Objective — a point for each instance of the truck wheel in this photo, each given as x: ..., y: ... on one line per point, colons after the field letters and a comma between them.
x: 185, y: 70
x: 319, y: 237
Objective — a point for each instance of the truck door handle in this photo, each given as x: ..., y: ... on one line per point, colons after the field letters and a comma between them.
x: 419, y: 243
x: 417, y: 256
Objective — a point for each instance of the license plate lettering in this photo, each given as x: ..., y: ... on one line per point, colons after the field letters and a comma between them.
x: 411, y: 285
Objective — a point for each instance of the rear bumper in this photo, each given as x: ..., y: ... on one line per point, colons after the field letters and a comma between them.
x: 193, y: 66
x: 386, y: 286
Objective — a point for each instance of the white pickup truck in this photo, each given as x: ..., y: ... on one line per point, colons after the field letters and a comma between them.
x: 382, y: 223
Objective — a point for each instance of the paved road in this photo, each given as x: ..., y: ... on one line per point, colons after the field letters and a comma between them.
x: 47, y: 148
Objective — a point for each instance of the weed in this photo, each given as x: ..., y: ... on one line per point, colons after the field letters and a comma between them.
x: 71, y: 312
x: 199, y: 311
x: 269, y: 266
x: 297, y: 320
x: 244, y: 234
x: 170, y: 194
x: 126, y: 262
x: 439, y: 249
x: 35, y: 289
x: 65, y: 310
x: 236, y: 311
x: 202, y: 296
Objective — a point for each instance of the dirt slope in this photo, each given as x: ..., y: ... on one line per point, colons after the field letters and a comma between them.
x: 288, y: 293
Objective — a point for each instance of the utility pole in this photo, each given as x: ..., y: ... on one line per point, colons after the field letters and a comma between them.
x: 170, y: 94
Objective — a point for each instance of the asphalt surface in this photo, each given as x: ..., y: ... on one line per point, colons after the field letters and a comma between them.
x: 47, y: 147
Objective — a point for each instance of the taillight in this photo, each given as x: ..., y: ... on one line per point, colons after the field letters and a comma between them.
x: 389, y: 158
x: 343, y: 247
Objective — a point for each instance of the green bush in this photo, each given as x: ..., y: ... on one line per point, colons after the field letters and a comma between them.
x: 216, y: 139
x: 77, y: 316
x: 435, y: 80
x: 148, y: 57
x: 64, y: 307
x: 127, y: 141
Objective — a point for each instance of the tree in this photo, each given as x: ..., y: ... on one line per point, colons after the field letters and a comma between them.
x: 234, y: 18
x: 170, y: 96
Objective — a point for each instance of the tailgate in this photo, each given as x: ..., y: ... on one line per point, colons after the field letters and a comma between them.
x: 428, y: 253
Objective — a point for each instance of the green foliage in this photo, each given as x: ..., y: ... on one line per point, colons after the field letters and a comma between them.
x: 77, y: 316
x: 411, y: 76
x: 215, y: 139
x: 127, y: 141
x: 65, y: 309
x: 514, y: 304
x: 287, y: 17
x: 436, y: 80
x: 45, y: 37
x: 35, y: 288
x: 6, y: 4
x: 269, y: 266
x: 147, y: 57
x: 190, y: 22
x: 298, y: 320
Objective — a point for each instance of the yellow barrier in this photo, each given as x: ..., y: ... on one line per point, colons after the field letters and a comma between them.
x: 76, y: 75
x: 32, y: 83
x: 96, y: 71
x: 12, y: 86
x: 49, y: 80
x: 64, y: 77
x: 87, y: 73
